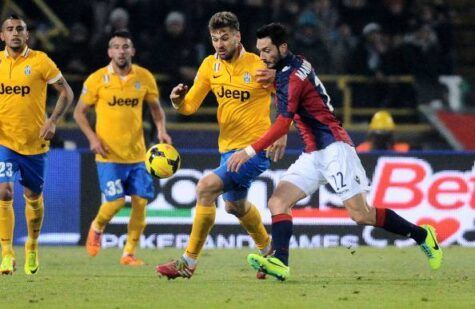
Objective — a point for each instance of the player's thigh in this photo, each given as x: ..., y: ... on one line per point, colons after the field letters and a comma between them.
x: 139, y: 182
x: 237, y: 184
x: 32, y: 170
x: 284, y: 197
x: 304, y: 174
x: 111, y: 180
x: 8, y: 171
x: 342, y: 169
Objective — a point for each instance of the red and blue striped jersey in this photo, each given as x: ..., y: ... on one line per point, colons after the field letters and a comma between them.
x: 301, y: 96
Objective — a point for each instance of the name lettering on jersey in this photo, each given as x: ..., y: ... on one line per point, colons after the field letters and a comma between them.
x: 234, y: 94
x: 21, y: 90
x: 304, y: 70
x: 124, y: 102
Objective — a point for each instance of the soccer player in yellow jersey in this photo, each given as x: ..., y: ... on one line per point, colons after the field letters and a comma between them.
x: 117, y: 93
x: 25, y: 132
x: 243, y: 115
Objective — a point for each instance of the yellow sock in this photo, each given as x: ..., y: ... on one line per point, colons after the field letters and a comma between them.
x: 7, y: 224
x: 252, y: 222
x: 106, y: 212
x: 202, y: 224
x: 34, y: 212
x: 136, y: 224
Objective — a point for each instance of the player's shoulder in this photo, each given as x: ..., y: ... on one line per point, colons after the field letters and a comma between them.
x: 141, y: 70
x: 301, y: 68
x: 37, y: 55
x: 210, y: 60
x: 98, y: 74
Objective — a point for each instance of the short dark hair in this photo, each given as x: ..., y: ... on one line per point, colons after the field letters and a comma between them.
x: 14, y: 17
x: 123, y: 33
x: 223, y: 19
x: 275, y: 31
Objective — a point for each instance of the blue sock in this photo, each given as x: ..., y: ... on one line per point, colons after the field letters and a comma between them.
x: 281, y: 233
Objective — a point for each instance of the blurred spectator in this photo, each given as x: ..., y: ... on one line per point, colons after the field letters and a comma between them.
x: 342, y: 41
x: 381, y: 135
x: 394, y: 17
x: 308, y: 42
x: 356, y: 13
x: 118, y: 20
x: 72, y: 57
x: 424, y: 56
x: 175, y: 53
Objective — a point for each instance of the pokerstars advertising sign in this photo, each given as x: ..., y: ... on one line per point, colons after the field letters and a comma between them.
x: 424, y: 188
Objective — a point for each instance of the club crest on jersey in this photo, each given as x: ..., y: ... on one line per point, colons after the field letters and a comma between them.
x: 137, y: 85
x: 27, y: 70
x: 216, y: 67
x: 247, y: 77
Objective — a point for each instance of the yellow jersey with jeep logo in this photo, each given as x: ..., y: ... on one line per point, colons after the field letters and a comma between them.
x: 118, y: 102
x: 243, y: 103
x: 23, y: 83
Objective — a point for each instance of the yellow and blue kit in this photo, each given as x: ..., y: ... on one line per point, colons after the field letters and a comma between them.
x: 118, y: 102
x: 23, y: 84
x: 243, y: 113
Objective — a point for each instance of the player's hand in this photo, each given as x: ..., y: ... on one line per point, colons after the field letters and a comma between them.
x: 47, y: 130
x: 237, y: 160
x: 265, y: 77
x: 163, y: 137
x: 276, y: 151
x: 178, y: 94
x: 98, y: 147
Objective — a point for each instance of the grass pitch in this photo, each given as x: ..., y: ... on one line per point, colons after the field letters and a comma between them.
x: 320, y: 278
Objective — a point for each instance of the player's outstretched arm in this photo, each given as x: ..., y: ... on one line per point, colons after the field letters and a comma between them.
x: 65, y: 98
x: 178, y: 95
x: 159, y: 119
x: 95, y: 143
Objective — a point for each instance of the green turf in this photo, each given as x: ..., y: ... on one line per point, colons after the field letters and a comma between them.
x: 323, y: 278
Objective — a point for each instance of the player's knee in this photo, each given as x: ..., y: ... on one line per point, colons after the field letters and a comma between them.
x: 205, y: 189
x: 6, y: 194
x: 278, y: 205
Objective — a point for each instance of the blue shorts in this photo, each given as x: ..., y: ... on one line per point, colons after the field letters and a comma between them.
x: 120, y: 179
x: 31, y: 168
x: 237, y: 184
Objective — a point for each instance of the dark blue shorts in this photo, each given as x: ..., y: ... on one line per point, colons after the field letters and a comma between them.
x: 29, y: 168
x: 119, y: 179
x: 236, y: 185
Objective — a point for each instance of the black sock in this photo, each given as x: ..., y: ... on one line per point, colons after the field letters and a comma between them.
x: 392, y: 222
x: 281, y: 233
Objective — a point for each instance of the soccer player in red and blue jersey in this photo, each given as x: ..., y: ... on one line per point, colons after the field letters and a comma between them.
x: 329, y: 157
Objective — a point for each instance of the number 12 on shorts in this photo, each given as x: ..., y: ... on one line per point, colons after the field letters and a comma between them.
x: 338, y: 181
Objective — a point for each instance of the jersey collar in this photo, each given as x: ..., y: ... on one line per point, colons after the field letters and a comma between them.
x: 110, y: 69
x: 24, y: 53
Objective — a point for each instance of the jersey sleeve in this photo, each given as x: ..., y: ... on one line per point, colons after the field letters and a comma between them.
x: 277, y: 130
x: 51, y: 73
x: 89, y: 92
x: 152, y: 89
x: 198, y: 91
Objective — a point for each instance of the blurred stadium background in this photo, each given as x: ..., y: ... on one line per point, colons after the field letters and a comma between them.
x: 414, y: 59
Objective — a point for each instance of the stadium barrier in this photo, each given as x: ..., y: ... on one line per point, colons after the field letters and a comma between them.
x: 424, y: 187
